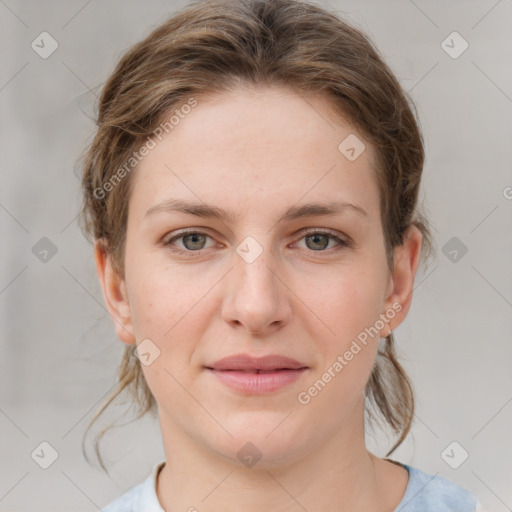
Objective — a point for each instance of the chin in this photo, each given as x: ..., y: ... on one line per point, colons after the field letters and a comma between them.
x: 261, y: 439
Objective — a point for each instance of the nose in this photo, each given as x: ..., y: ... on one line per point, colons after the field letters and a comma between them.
x: 257, y: 298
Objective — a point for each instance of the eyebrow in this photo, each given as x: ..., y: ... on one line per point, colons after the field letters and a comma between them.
x: 292, y: 213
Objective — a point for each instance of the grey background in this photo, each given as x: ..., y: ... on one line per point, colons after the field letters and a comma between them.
x: 59, y: 348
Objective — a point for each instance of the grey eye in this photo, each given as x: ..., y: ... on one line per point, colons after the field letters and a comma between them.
x: 319, y: 241
x: 194, y: 241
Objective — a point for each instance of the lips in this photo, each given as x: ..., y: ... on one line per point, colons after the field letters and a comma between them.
x: 266, y: 364
x: 257, y: 375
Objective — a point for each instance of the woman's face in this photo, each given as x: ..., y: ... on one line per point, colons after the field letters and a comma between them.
x: 258, y: 282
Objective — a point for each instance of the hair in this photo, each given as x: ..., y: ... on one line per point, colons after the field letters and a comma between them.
x: 211, y: 47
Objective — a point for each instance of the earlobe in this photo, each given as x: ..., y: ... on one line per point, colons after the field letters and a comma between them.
x: 407, y: 257
x: 114, y: 293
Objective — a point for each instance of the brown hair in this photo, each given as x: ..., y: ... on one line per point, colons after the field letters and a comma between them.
x: 211, y: 46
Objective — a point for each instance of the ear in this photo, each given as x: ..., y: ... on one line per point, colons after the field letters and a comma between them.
x: 114, y: 293
x: 401, y: 282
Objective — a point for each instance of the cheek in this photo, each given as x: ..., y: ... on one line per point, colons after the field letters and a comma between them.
x: 166, y: 309
x: 350, y: 303
x: 350, y: 307
x: 161, y: 298
x: 172, y: 308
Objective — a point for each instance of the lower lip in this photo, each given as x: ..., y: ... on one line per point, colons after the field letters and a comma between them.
x: 257, y: 383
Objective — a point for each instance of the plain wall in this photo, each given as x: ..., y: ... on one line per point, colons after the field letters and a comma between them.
x: 59, y: 348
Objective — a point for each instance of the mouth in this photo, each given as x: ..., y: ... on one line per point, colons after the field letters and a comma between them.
x: 257, y: 375
x: 257, y: 382
x: 268, y: 363
x: 257, y: 371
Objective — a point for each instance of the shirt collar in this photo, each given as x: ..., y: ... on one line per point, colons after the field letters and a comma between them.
x: 148, y: 497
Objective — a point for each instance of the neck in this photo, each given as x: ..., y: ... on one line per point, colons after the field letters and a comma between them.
x: 337, y: 474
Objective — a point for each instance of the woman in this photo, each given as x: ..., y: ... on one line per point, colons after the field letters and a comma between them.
x: 252, y: 196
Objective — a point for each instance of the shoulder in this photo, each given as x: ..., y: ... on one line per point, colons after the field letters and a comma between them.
x: 432, y: 493
x: 128, y: 502
x: 140, y: 498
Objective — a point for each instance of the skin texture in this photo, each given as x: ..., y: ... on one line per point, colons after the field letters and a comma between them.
x: 255, y: 152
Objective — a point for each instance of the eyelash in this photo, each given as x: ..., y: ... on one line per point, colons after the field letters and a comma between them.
x: 188, y: 253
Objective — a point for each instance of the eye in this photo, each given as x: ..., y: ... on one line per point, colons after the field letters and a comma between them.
x: 193, y: 241
x: 318, y: 240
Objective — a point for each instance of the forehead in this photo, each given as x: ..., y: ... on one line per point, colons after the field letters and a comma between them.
x: 256, y: 147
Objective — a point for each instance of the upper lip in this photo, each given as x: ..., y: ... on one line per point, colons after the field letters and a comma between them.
x: 246, y: 362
